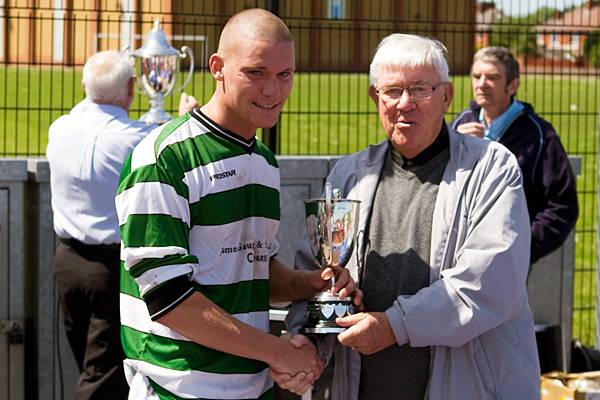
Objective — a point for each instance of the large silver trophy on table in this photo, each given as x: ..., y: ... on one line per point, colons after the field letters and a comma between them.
x: 332, y: 224
x: 157, y: 70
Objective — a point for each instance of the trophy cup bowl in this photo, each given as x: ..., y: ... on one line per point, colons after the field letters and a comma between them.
x: 157, y: 75
x: 157, y: 71
x: 332, y: 228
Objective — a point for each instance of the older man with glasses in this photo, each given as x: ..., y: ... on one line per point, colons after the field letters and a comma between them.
x: 442, y: 251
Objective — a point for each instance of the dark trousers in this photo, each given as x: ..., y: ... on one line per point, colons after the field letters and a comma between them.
x: 87, y: 278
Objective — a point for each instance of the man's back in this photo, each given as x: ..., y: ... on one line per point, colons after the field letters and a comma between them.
x: 86, y: 150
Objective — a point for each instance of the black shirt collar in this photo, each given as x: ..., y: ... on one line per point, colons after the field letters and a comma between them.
x: 219, y: 130
x: 441, y: 142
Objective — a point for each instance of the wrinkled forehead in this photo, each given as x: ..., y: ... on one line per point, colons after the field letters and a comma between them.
x: 402, y: 75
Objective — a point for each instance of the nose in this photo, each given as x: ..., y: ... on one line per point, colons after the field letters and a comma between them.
x: 405, y: 102
x: 271, y: 88
x: 482, y: 80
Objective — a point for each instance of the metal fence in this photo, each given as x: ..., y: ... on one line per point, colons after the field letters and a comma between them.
x: 43, y: 45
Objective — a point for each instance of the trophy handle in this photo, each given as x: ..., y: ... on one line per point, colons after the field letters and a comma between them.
x: 186, y: 51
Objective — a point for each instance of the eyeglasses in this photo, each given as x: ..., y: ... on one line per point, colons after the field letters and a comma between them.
x: 422, y: 91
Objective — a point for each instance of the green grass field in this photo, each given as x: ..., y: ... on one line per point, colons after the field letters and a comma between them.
x: 330, y: 113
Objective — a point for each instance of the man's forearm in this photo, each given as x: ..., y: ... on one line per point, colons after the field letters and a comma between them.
x: 551, y: 227
x: 286, y: 284
x: 203, y: 322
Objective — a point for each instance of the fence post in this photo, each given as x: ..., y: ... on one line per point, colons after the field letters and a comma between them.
x: 598, y: 246
x: 15, y: 315
x: 270, y: 135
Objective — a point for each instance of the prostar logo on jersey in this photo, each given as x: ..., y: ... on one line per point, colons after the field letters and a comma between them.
x: 221, y: 175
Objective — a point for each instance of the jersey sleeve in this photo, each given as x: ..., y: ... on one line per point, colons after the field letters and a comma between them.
x: 154, y: 222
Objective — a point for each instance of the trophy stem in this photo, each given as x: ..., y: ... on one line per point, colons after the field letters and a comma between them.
x: 157, y: 114
x: 156, y: 105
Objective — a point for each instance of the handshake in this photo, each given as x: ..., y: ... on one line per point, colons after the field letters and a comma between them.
x: 296, y: 364
x: 297, y: 368
x: 366, y: 333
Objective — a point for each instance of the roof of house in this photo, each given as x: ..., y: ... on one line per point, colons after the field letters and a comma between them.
x: 580, y: 19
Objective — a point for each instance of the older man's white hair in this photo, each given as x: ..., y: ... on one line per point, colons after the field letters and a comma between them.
x: 403, y: 50
x: 106, y: 75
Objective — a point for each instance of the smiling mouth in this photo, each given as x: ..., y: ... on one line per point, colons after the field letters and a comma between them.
x: 406, y: 123
x: 265, y: 106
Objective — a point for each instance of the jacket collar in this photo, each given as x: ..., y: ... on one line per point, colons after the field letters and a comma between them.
x: 476, y: 109
x: 456, y: 176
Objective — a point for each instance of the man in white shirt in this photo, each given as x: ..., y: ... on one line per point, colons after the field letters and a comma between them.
x: 86, y: 151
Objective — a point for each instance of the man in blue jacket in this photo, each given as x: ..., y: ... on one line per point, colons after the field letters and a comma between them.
x: 496, y: 115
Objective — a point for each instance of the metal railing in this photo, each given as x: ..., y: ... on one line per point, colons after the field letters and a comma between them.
x: 42, y: 50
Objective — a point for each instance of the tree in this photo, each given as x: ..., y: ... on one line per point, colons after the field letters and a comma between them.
x: 517, y: 34
x: 591, y: 49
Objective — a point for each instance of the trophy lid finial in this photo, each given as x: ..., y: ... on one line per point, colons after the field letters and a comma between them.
x: 156, y: 44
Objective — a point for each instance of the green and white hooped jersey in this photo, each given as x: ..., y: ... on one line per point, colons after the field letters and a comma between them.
x: 198, y: 210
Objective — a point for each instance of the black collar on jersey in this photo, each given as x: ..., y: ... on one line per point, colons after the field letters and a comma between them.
x: 212, y: 126
x: 441, y: 142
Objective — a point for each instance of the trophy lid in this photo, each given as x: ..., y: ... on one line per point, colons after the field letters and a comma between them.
x: 156, y: 44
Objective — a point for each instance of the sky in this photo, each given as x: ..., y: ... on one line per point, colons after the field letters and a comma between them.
x: 524, y: 7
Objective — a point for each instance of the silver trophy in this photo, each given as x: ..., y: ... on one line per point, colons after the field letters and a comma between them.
x: 332, y: 224
x: 157, y: 70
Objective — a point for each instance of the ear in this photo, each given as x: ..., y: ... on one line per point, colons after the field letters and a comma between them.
x: 511, y: 88
x: 215, y: 63
x: 373, y: 95
x: 448, y: 95
x: 131, y: 87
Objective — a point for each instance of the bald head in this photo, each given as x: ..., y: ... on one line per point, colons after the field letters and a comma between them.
x: 254, y: 69
x: 253, y: 24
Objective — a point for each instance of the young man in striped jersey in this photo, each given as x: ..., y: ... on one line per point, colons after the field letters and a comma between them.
x: 198, y: 207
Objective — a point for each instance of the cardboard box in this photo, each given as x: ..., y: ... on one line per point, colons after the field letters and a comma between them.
x: 562, y: 386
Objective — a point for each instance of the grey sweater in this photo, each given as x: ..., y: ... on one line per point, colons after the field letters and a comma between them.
x: 399, y: 240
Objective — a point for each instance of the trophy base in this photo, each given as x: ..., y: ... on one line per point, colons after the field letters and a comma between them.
x: 323, y: 309
x: 156, y: 117
x: 324, y: 329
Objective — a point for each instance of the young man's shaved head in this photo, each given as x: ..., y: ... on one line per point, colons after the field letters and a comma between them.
x: 254, y: 70
x: 253, y: 24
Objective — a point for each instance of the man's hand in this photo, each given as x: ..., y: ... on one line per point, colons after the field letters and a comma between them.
x: 472, y: 128
x: 367, y: 333
x: 302, y: 381
x: 187, y: 103
x: 344, y: 284
x: 298, y: 366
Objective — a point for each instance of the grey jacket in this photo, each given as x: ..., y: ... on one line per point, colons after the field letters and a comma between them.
x: 475, y: 313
